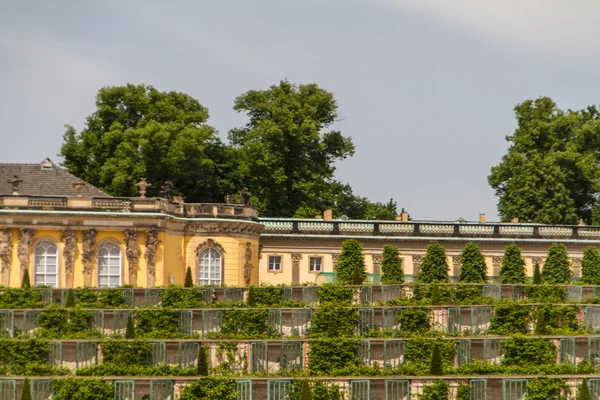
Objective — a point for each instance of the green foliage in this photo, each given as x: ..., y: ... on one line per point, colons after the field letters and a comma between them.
x: 26, y: 390
x: 537, y: 275
x: 305, y: 392
x: 509, y: 318
x: 188, y: 278
x: 26, y: 283
x: 335, y: 293
x: 112, y: 297
x: 512, y: 269
x: 24, y: 356
x: 326, y: 356
x: 556, y: 268
x: 472, y: 265
x: 320, y: 391
x: 464, y: 392
x: 130, y: 330
x: 162, y: 323
x: 179, y: 297
x: 20, y: 298
x: 419, y: 350
x: 56, y: 322
x: 523, y: 351
x: 202, y: 367
x: 70, y: 299
x: 351, y: 265
x: 331, y: 321
x: 540, y: 323
x: 210, y: 388
x: 82, y: 389
x: 391, y: 266
x: 544, y: 388
x: 546, y: 293
x: 436, y: 297
x: 414, y: 321
x: 265, y: 296
x: 434, y: 267
x: 285, y: 156
x: 110, y: 369
x: 551, y: 172
x: 136, y: 352
x: 87, y: 296
x: 247, y: 324
x: 438, y: 390
x: 436, y: 367
x: 561, y: 319
x: 583, y: 391
x: 590, y: 267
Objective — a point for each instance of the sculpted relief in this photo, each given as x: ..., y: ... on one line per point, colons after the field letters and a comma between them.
x: 87, y: 257
x: 5, y: 254
x: 132, y: 253
x: 69, y: 238
x: 248, y: 264
x: 25, y: 239
x: 152, y: 243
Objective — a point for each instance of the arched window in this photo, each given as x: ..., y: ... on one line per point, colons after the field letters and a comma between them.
x: 46, y: 263
x: 209, y: 267
x: 109, y: 265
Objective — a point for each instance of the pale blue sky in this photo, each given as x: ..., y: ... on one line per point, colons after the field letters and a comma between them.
x: 425, y: 88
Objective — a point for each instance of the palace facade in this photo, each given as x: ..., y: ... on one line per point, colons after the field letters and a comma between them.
x: 67, y: 233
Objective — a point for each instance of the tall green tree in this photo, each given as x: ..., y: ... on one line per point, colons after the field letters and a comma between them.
x: 26, y: 390
x: 472, y: 265
x: 551, y: 173
x: 583, y: 391
x: 189, y: 282
x: 537, y: 274
x: 138, y: 132
x: 513, y: 266
x: 26, y: 282
x: 436, y: 366
x: 351, y: 263
x: 434, y: 267
x: 287, y: 154
x: 70, y: 299
x: 590, y: 267
x: 391, y: 265
x: 556, y: 267
x: 202, y: 367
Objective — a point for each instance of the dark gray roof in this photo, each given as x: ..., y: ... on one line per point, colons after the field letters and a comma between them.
x: 43, y: 179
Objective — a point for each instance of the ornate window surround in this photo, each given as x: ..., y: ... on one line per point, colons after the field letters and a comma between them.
x: 208, y: 244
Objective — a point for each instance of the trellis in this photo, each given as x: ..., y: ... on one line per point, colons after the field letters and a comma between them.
x: 55, y: 354
x: 124, y: 390
x: 480, y: 319
x: 453, y: 318
x: 574, y: 293
x: 493, y: 350
x: 278, y: 389
x: 518, y: 293
x: 310, y: 294
x: 274, y: 323
x: 186, y: 322
x: 291, y: 355
x: 86, y: 354
x: 366, y: 295
x: 592, y: 319
x: 244, y: 389
x: 594, y: 351
x: 41, y: 389
x: 7, y: 323
x: 161, y: 390
x: 97, y: 321
x: 514, y: 389
x: 287, y: 294
x: 64, y: 293
x: 363, y: 352
x: 8, y: 389
x: 493, y: 291
x: 212, y: 320
x: 188, y: 354
x: 463, y: 352
x: 152, y: 297
x: 46, y: 296
x: 120, y: 321
x: 158, y: 356
x: 259, y: 357
x: 393, y: 353
x: 396, y: 389
x: 233, y: 295
x: 594, y: 386
x: 390, y: 293
x: 360, y: 390
x: 366, y: 320
x: 566, y: 351
x: 301, y: 322
x: 30, y: 322
x: 129, y: 297
x: 479, y: 389
x: 390, y: 319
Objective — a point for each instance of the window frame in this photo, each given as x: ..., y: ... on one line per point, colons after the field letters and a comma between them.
x: 209, y: 281
x: 315, y: 271
x: 269, y: 263
x: 45, y: 265
x: 109, y: 258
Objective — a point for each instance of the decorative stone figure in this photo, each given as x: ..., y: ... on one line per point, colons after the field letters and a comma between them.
x: 79, y: 187
x: 69, y: 238
x: 15, y: 181
x: 25, y: 240
x: 142, y: 186
x: 152, y: 243
x: 245, y: 196
x: 5, y: 254
x: 133, y: 254
x: 166, y: 190
x: 248, y: 264
x: 87, y: 257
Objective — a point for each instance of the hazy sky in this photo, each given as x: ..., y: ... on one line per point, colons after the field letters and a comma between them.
x: 426, y: 88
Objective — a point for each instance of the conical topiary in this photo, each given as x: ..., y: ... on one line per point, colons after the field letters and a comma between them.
x: 436, y: 367
x: 130, y: 330
x: 556, y: 267
x: 26, y: 283
x: 26, y: 391
x: 541, y: 325
x: 351, y: 264
x: 202, y: 369
x: 513, y: 266
x: 391, y: 265
x: 305, y: 392
x: 436, y: 296
x: 70, y: 299
x: 188, y: 278
x: 472, y: 265
x: 434, y: 267
x: 590, y: 267
x: 537, y: 276
x: 583, y: 391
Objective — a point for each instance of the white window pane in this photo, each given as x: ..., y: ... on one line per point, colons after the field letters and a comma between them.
x: 103, y: 280
x: 51, y: 250
x: 39, y: 279
x: 51, y: 260
x: 51, y: 269
x: 115, y: 280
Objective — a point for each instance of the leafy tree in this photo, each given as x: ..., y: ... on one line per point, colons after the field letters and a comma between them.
x: 436, y: 367
x: 438, y: 390
x: 209, y: 388
x: 434, y: 267
x: 82, y: 389
x: 26, y: 283
x: 541, y: 326
x: 472, y: 265
x: 188, y: 278
x: 130, y: 328
x: 202, y: 369
x: 551, y: 172
x: 351, y: 265
x: 537, y: 275
x: 138, y: 132
x: 590, y: 267
x: 513, y: 266
x: 70, y: 299
x: 583, y: 391
x: 26, y: 391
x: 287, y: 159
x: 556, y: 268
x: 391, y: 265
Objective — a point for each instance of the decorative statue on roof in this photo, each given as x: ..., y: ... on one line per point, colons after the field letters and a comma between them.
x: 245, y: 196
x: 166, y: 190
x: 15, y: 181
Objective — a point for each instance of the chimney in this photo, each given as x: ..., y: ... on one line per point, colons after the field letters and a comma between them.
x: 404, y: 216
x: 515, y: 220
x: 328, y: 215
x: 481, y: 218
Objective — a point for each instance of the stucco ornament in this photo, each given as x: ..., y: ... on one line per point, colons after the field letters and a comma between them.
x: 248, y: 264
x: 87, y: 257
x: 152, y: 243
x: 133, y: 254
x: 25, y: 239
x: 69, y: 238
x: 5, y: 249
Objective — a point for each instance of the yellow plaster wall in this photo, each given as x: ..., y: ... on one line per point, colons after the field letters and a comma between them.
x: 173, y: 260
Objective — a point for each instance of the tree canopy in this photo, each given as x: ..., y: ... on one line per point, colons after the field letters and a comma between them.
x: 556, y: 267
x: 351, y: 269
x: 551, y: 173
x: 391, y: 265
x: 472, y: 265
x: 513, y: 266
x: 434, y: 267
x: 285, y: 154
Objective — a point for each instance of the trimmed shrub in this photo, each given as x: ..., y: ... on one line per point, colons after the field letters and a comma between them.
x: 537, y: 276
x: 26, y: 391
x: 202, y: 368
x: 188, y: 278
x: 436, y: 367
x: 351, y: 265
x: 70, y: 299
x: 540, y: 323
x: 590, y: 267
x: 438, y: 390
x: 434, y: 267
x: 544, y: 388
x: 583, y: 391
x: 472, y: 265
x: 513, y: 266
x: 210, y: 388
x: 391, y: 265
x: 26, y: 283
x: 556, y: 268
x: 130, y: 330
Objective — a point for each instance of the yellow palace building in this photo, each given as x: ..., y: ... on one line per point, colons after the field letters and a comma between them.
x: 67, y: 233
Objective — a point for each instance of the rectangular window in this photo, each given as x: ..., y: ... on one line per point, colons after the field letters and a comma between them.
x: 274, y: 263
x: 314, y: 264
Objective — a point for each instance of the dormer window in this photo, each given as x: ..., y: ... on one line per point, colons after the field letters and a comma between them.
x: 47, y: 164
